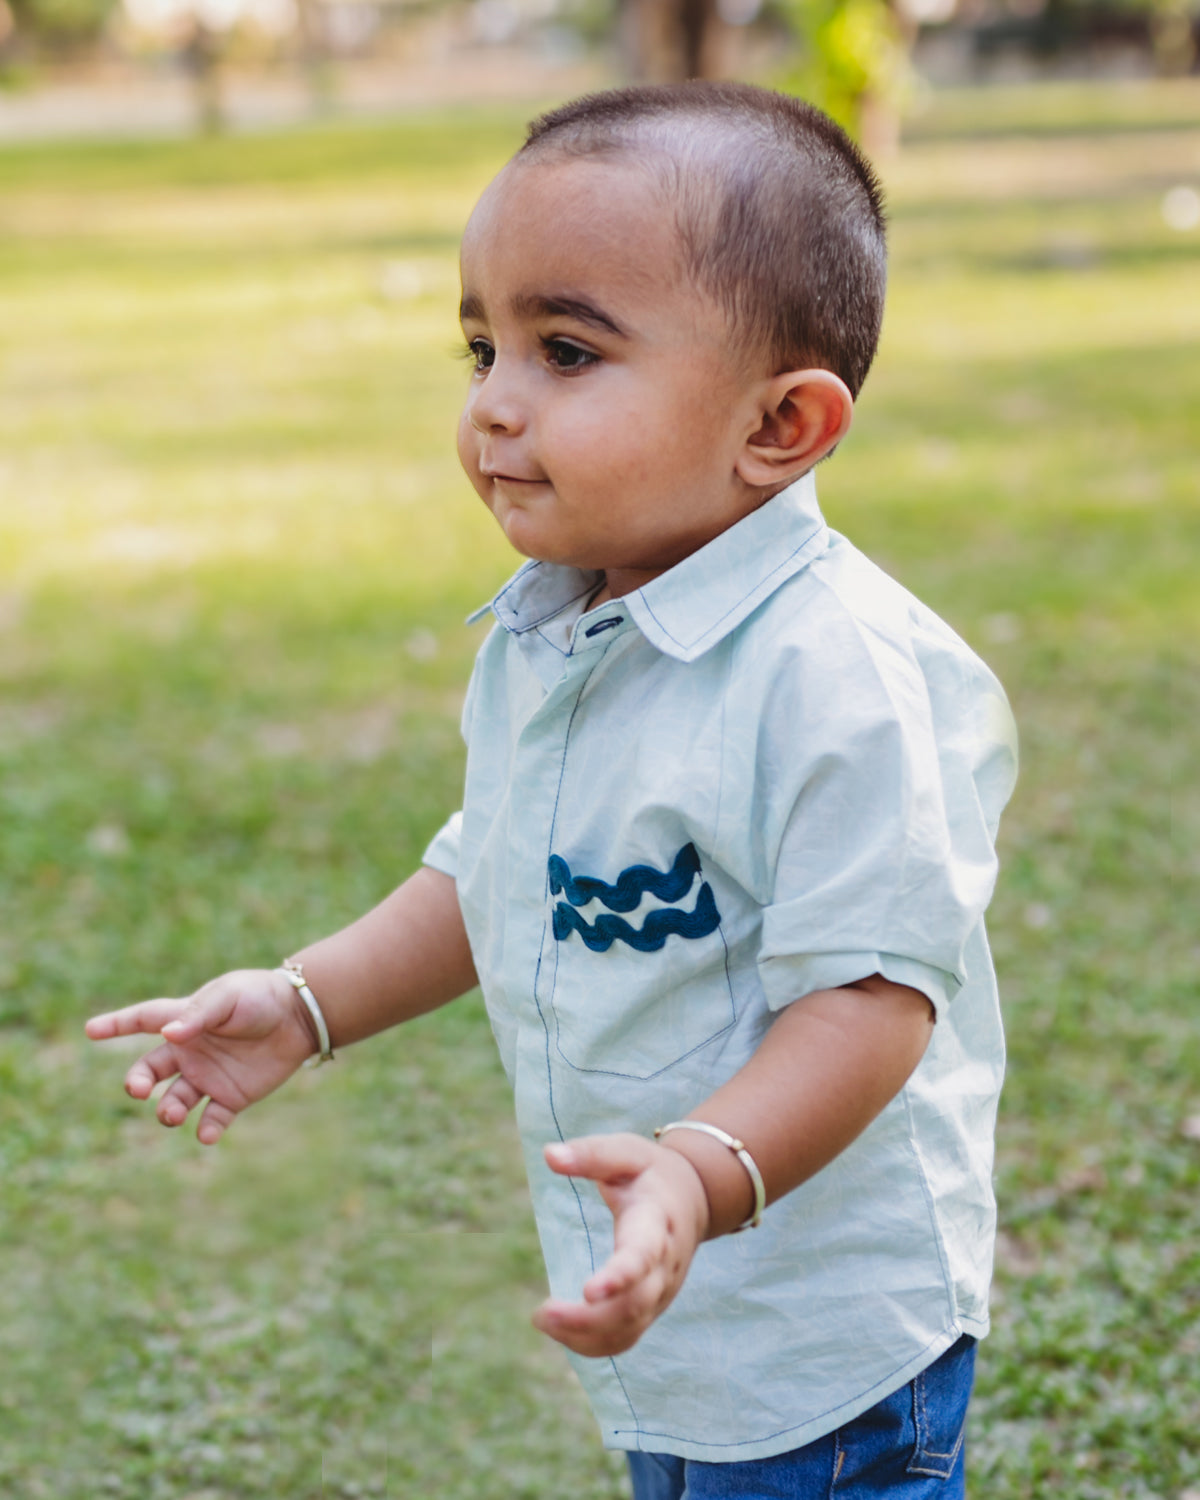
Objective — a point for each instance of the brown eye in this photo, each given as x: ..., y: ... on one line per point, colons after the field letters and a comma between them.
x: 482, y: 353
x: 567, y: 356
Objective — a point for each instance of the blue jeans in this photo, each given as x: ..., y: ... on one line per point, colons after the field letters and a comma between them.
x: 910, y: 1446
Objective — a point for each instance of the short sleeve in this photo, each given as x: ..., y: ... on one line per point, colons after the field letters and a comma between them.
x: 442, y: 853
x: 881, y: 850
x: 790, y: 977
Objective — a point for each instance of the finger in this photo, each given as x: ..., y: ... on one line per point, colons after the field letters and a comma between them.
x: 620, y: 1272
x: 149, y: 1016
x: 641, y: 1245
x: 554, y: 1320
x: 214, y: 1122
x: 149, y: 1071
x: 637, y: 1304
x: 609, y: 1328
x: 601, y: 1158
x: 206, y: 1010
x: 178, y: 1102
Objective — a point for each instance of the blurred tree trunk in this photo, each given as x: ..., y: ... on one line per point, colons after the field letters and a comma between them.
x: 879, y: 107
x: 315, y: 55
x: 1172, y: 37
x: 203, y: 56
x: 664, y: 41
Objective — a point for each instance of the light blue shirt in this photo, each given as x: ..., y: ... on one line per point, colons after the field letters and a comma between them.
x: 769, y: 771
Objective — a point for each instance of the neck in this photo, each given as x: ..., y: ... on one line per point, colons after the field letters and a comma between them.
x: 621, y: 581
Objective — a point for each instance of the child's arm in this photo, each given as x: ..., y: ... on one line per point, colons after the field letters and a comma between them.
x: 242, y: 1035
x: 828, y: 1065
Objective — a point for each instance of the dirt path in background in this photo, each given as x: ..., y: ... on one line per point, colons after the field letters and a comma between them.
x: 123, y: 100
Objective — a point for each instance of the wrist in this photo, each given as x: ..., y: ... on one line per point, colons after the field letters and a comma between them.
x: 728, y: 1196
x: 301, y: 1023
x: 293, y: 971
x: 687, y: 1174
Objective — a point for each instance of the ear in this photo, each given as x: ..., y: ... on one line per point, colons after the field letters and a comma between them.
x: 805, y: 413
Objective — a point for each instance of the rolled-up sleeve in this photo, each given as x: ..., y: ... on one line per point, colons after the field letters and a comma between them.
x: 787, y: 977
x: 881, y: 851
x: 442, y: 853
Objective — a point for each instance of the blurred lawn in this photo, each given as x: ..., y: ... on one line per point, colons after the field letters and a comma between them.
x: 235, y: 555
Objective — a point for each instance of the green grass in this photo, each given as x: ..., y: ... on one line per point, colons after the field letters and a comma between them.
x: 235, y: 556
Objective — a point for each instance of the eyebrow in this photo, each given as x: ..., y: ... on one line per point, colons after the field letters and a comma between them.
x: 470, y: 308
x: 538, y: 304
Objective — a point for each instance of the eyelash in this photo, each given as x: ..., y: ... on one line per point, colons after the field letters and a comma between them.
x: 478, y: 349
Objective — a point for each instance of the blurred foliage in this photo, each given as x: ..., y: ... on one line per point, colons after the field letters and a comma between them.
x: 60, y: 25
x: 850, y: 52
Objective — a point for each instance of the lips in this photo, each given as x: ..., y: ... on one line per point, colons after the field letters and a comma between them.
x: 511, y: 478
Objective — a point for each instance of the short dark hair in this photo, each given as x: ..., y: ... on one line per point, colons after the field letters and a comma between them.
x: 780, y: 215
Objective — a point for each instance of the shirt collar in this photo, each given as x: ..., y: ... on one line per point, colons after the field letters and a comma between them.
x: 685, y: 611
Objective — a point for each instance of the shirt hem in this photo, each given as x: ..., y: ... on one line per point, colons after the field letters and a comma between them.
x: 784, y: 1440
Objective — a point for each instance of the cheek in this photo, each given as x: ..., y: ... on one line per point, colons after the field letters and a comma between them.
x: 598, y: 446
x: 469, y: 446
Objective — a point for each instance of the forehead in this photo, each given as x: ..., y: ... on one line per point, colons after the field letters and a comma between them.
x: 601, y: 220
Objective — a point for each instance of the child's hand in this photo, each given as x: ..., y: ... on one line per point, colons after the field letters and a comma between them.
x: 660, y: 1215
x: 232, y: 1042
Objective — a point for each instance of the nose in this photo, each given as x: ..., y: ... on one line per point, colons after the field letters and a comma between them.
x: 495, y: 403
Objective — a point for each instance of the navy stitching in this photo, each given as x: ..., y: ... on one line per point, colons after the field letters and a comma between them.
x: 612, y: 1362
x: 524, y: 573
x: 926, y: 1193
x: 716, y: 822
x: 538, y: 631
x: 666, y: 1067
x: 780, y: 1431
x: 538, y: 971
x: 562, y: 770
x: 728, y: 984
x: 642, y: 1077
x: 749, y: 594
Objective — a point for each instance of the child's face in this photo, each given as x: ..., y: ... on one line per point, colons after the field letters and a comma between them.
x: 608, y: 404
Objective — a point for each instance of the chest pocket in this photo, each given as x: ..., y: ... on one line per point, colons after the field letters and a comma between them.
x: 640, y: 971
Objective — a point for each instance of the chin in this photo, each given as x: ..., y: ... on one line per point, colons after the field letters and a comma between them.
x: 529, y: 540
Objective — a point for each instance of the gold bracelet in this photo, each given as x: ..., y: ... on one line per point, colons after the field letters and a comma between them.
x: 739, y: 1150
x: 293, y: 971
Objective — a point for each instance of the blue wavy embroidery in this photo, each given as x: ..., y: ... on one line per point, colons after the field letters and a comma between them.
x: 632, y: 884
x: 654, y: 931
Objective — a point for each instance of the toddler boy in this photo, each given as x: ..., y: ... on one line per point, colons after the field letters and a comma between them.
x: 727, y: 834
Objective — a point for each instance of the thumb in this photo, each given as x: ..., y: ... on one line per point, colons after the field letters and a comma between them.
x: 601, y: 1158
x: 205, y: 1011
